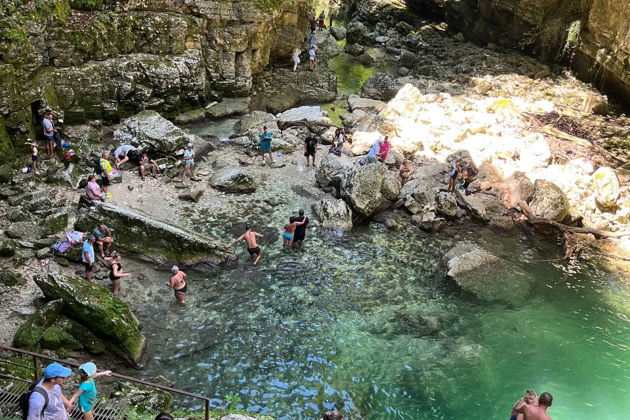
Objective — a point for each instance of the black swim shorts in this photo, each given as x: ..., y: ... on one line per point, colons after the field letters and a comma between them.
x: 254, y: 251
x: 105, y: 181
x: 88, y: 267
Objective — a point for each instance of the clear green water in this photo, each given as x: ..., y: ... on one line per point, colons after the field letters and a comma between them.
x: 333, y: 326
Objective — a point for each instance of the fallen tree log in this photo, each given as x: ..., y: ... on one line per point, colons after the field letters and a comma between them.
x: 304, y: 123
x: 535, y: 220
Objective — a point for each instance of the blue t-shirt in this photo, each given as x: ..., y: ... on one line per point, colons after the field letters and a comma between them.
x: 265, y: 137
x: 87, y: 398
x: 48, y: 127
x: 87, y: 247
x: 55, y: 409
x: 374, y: 150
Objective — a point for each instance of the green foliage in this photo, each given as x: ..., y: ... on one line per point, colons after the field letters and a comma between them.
x: 268, y: 4
x: 86, y: 4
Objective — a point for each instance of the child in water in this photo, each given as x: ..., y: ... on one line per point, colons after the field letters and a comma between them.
x: 289, y: 231
x: 86, y: 394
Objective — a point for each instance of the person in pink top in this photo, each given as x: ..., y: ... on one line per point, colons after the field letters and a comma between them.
x: 93, y: 191
x: 383, y: 151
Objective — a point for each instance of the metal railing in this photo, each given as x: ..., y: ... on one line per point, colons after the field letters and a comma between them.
x: 37, y: 369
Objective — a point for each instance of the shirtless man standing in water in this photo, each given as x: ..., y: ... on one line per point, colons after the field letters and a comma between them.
x: 179, y: 285
x: 536, y: 412
x: 250, y: 239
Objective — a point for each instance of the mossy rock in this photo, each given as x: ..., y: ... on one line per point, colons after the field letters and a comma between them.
x: 144, y: 399
x: 82, y: 334
x: 29, y: 335
x: 21, y: 372
x: 7, y: 247
x: 145, y: 235
x: 55, y: 338
x: 6, y: 172
x: 105, y: 315
x: 10, y: 278
x: 55, y: 223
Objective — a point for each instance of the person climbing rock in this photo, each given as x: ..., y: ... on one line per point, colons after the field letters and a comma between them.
x: 250, y: 240
x: 47, y: 401
x: 265, y: 144
x: 178, y: 284
x: 87, y: 256
x: 310, y: 148
x: 404, y: 171
x: 86, y: 394
x: 115, y: 272
x: 300, y: 230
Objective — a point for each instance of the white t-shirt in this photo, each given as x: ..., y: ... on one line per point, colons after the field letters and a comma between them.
x: 311, y: 54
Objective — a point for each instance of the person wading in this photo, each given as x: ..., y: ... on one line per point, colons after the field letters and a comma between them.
x: 178, y: 284
x: 250, y: 240
x: 116, y: 273
x: 300, y: 230
x: 536, y: 412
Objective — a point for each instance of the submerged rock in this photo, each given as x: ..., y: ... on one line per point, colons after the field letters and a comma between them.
x: 94, y: 306
x: 157, y: 239
x: 333, y: 214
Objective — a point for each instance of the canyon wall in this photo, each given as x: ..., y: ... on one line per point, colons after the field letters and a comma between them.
x: 107, y: 59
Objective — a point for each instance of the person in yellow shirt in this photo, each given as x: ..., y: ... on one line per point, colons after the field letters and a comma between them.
x: 106, y: 173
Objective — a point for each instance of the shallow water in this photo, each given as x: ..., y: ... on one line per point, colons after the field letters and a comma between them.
x: 335, y: 325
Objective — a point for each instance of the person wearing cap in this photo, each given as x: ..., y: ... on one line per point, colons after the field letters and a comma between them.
x: 55, y: 409
x: 86, y: 394
x: 189, y: 162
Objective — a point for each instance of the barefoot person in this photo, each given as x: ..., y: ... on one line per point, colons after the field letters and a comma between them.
x: 178, y: 284
x: 34, y: 153
x: 300, y: 230
x: 115, y: 272
x: 146, y: 163
x: 536, y: 412
x: 530, y: 398
x: 250, y: 240
x: 289, y: 231
x: 104, y: 239
x: 404, y: 171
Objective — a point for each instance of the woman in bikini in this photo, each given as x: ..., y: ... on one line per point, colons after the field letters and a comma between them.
x: 179, y: 285
x: 115, y: 272
x: 289, y: 231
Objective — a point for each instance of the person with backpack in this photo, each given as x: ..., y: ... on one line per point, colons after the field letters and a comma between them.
x: 86, y: 394
x: 44, y: 400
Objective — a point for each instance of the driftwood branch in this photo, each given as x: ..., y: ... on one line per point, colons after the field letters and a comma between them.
x: 283, y: 126
x: 534, y: 220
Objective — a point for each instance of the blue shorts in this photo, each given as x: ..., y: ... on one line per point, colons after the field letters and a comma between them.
x: 189, y: 163
x: 85, y: 408
x: 288, y: 235
x: 50, y: 138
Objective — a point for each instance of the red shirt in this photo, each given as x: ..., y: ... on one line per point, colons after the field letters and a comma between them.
x: 384, y: 150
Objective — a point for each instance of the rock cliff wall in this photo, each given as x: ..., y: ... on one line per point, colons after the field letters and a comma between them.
x: 107, y: 59
x: 592, y: 36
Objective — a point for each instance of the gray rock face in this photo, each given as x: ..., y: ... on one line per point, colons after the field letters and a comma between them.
x: 446, y: 204
x: 24, y: 230
x: 362, y: 189
x: 236, y: 179
x: 151, y: 131
x: 381, y: 86
x: 157, y: 239
x: 256, y: 119
x: 339, y: 32
x: 355, y: 32
x: 355, y: 49
x: 303, y: 113
x: 7, y: 247
x: 488, y: 277
x: 549, y: 201
x: 333, y: 214
x: 227, y: 107
x: 332, y: 170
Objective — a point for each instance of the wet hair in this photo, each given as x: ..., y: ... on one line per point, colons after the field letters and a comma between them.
x: 545, y: 399
x: 174, y: 269
x: 333, y: 415
x: 291, y: 219
x: 301, y: 212
x: 530, y: 395
x: 163, y: 416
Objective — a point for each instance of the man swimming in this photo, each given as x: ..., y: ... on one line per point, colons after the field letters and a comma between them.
x: 536, y: 412
x: 250, y: 240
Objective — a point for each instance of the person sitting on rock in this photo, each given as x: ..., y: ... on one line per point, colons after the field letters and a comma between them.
x: 121, y: 154
x: 104, y: 239
x: 467, y: 174
x: 404, y: 172
x: 289, y: 231
x: 250, y: 240
x: 178, y: 284
x: 93, y: 191
x: 372, y: 155
x: 146, y: 163
x: 383, y: 150
x: 115, y: 272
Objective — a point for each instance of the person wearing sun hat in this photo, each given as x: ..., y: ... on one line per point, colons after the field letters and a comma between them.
x: 55, y: 404
x: 86, y: 394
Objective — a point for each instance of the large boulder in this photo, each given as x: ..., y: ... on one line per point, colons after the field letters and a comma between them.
x: 355, y: 32
x: 95, y: 307
x: 365, y: 104
x: 235, y: 179
x: 256, y: 119
x: 605, y: 185
x: 381, y: 86
x: 333, y: 214
x: 339, y: 32
x: 304, y: 113
x: 7, y: 247
x: 487, y: 276
x: 362, y: 189
x: 227, y: 107
x: 157, y: 239
x: 29, y: 335
x: 55, y: 223
x: 549, y: 202
x: 332, y: 170
x: 151, y: 131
